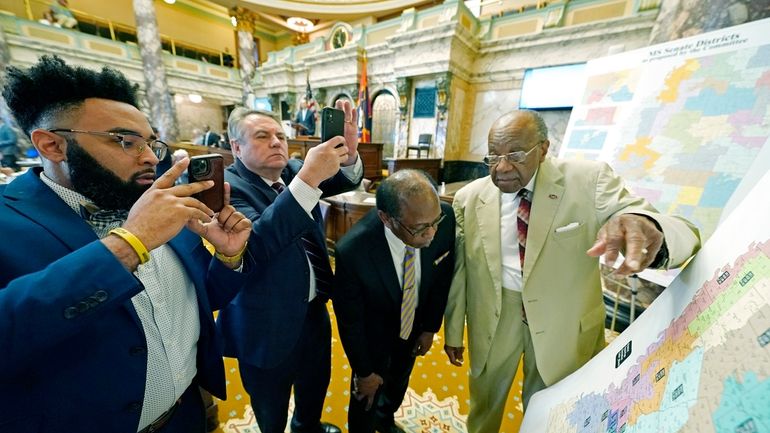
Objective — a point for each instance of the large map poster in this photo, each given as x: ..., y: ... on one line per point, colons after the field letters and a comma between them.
x: 682, y: 122
x: 698, y: 360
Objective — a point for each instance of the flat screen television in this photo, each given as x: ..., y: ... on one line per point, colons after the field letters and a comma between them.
x: 552, y: 87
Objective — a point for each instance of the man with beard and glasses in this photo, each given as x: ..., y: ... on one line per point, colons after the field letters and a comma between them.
x: 106, y: 290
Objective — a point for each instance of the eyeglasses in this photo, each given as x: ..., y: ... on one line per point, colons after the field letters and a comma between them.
x: 133, y: 144
x: 421, y: 231
x: 513, y: 158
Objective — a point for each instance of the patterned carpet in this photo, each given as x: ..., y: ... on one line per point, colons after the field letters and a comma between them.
x: 437, y: 400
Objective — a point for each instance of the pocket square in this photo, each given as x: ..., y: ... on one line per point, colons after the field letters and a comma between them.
x: 441, y: 257
x: 569, y: 227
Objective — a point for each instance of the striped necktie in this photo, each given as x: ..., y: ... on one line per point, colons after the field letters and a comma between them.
x: 409, y: 295
x: 317, y: 257
x: 522, y: 223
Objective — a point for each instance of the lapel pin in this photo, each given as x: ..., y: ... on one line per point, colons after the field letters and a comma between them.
x: 553, y: 196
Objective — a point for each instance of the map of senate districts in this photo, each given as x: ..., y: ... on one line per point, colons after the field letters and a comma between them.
x: 689, y: 145
x: 708, y: 371
x: 682, y: 131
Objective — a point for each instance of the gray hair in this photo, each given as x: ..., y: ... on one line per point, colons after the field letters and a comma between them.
x: 399, y: 187
x: 235, y: 121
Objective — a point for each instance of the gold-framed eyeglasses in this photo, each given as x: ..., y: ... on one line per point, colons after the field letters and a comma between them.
x: 423, y: 228
x: 513, y: 158
x: 132, y: 144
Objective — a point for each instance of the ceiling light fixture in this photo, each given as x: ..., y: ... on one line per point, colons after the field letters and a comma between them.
x: 170, y: 1
x: 302, y: 25
x: 195, y: 98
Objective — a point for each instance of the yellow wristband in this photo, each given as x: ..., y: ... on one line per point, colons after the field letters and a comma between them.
x: 136, y: 244
x: 231, y: 259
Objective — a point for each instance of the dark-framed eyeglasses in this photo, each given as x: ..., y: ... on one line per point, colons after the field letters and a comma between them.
x: 132, y: 144
x: 513, y: 158
x: 423, y: 228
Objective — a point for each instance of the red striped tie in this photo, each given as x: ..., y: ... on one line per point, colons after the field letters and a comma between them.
x: 522, y: 222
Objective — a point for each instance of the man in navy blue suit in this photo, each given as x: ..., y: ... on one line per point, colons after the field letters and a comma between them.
x: 106, y: 290
x: 278, y: 326
x: 305, y: 119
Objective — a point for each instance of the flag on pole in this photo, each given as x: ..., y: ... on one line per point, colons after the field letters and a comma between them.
x: 364, y: 107
x: 309, y: 94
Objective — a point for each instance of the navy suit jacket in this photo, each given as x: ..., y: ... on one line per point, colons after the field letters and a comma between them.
x: 308, y: 122
x: 367, y: 296
x: 264, y: 321
x: 74, y: 356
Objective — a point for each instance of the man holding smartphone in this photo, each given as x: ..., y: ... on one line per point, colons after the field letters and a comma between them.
x: 278, y: 327
x: 106, y: 290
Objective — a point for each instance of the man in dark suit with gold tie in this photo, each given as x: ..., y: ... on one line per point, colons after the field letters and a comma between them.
x: 393, y: 272
x: 278, y: 326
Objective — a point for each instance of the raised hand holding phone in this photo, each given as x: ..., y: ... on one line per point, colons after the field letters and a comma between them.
x: 209, y: 167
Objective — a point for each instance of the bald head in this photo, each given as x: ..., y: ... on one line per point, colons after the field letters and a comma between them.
x: 408, y: 204
x: 525, y: 124
x: 521, y: 137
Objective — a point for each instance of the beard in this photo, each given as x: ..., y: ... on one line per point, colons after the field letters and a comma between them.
x: 98, y: 184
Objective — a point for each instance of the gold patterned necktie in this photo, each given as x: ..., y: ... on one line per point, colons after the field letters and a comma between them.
x: 408, y: 295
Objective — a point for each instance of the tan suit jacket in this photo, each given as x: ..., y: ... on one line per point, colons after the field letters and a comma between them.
x: 561, y: 288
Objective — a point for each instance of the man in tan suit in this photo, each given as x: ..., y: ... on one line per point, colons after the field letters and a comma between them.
x: 547, y: 302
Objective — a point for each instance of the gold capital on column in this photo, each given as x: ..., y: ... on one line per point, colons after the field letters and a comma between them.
x: 245, y: 19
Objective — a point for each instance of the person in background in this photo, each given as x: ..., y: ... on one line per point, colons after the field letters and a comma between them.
x: 9, y: 148
x: 227, y: 58
x: 62, y: 14
x: 278, y: 326
x: 48, y: 19
x: 527, y: 274
x: 305, y: 118
x: 106, y: 289
x: 210, y: 138
x: 392, y: 275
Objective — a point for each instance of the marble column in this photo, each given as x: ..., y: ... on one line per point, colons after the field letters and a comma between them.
x: 443, y: 84
x: 681, y: 18
x: 162, y: 108
x: 247, y: 52
x: 404, y: 88
x: 22, y: 141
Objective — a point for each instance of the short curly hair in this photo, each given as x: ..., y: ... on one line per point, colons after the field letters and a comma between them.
x: 50, y: 88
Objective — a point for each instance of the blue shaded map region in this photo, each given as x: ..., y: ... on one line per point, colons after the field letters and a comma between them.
x: 744, y: 406
x: 587, y: 139
x: 760, y: 58
x: 720, y: 187
x: 711, y: 103
x: 680, y: 395
x: 623, y: 94
x: 588, y: 413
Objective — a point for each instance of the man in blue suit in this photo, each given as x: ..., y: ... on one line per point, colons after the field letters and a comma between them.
x: 305, y: 119
x: 106, y: 291
x: 278, y: 326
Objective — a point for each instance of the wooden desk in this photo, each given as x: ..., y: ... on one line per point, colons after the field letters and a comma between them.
x: 429, y: 165
x: 197, y: 149
x: 370, y: 153
x: 345, y: 210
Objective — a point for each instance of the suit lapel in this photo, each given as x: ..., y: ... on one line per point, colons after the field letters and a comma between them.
x: 382, y: 261
x: 35, y: 200
x: 488, y: 214
x: 549, y: 190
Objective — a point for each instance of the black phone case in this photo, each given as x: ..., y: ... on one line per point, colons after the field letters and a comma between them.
x: 332, y: 123
x: 213, y: 197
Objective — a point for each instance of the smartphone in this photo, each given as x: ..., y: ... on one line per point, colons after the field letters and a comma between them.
x: 209, y: 167
x: 332, y: 124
